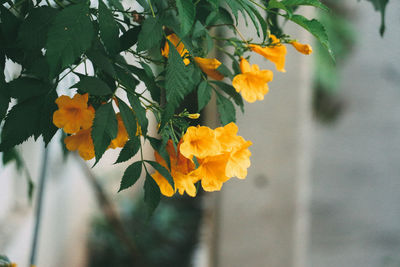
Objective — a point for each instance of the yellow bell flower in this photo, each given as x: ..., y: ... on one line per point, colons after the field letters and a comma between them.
x: 305, y: 49
x: 252, y: 83
x: 180, y: 47
x: 81, y: 141
x: 122, y: 136
x: 276, y: 53
x: 73, y: 114
x: 209, y: 66
x: 200, y: 142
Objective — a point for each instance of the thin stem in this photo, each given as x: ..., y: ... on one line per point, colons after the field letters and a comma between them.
x: 151, y: 7
x: 259, y: 5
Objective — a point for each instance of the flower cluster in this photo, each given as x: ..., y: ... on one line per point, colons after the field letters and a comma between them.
x: 75, y: 117
x: 220, y: 155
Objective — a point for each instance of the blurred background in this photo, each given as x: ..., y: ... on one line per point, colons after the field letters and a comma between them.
x: 323, y: 189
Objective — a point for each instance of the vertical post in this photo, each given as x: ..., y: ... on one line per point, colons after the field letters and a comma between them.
x: 39, y: 204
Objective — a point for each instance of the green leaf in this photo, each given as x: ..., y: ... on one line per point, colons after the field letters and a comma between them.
x: 23, y: 88
x: 9, y: 25
x: 150, y: 34
x: 131, y: 175
x: 163, y: 171
x: 315, y: 3
x: 177, y: 79
x: 149, y: 80
x: 129, y: 38
x: 230, y: 90
x: 187, y: 15
x: 4, y: 101
x: 152, y: 194
x: 160, y: 147
x: 316, y: 29
x: 380, y: 5
x: 275, y: 4
x: 46, y: 125
x: 128, y: 117
x: 69, y: 37
x: 129, y: 150
x: 22, y: 121
x: 126, y: 79
x: 92, y: 85
x: 140, y: 113
x: 226, y: 110
x: 203, y: 95
x: 101, y: 61
x: 109, y: 30
x: 32, y: 34
x: 225, y: 71
x: 105, y: 129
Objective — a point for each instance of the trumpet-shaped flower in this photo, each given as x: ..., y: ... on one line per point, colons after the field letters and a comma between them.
x: 239, y: 160
x: 305, y: 49
x: 252, y: 83
x: 180, y: 47
x: 212, y: 172
x: 81, y: 141
x: 209, y: 66
x: 122, y: 136
x: 180, y: 168
x: 275, y: 53
x: 200, y: 142
x: 73, y: 114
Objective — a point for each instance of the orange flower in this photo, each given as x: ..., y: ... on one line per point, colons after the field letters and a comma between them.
x: 276, y: 53
x: 212, y: 172
x: 305, y: 49
x: 252, y: 83
x: 200, y: 142
x: 122, y: 136
x: 209, y: 66
x: 227, y: 137
x: 180, y: 168
x: 73, y: 114
x: 180, y: 47
x: 239, y: 160
x: 81, y: 141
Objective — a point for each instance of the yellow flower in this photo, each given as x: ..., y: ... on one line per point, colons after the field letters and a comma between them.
x: 180, y: 168
x: 73, y: 114
x: 180, y: 47
x: 209, y: 66
x: 81, y: 141
x: 227, y: 137
x: 122, y: 136
x: 212, y: 172
x: 239, y: 160
x: 194, y: 116
x: 305, y: 49
x: 200, y: 142
x: 252, y: 83
x: 276, y: 53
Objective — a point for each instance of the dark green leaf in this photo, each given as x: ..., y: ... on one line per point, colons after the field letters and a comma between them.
x: 226, y: 110
x: 225, y: 71
x: 126, y: 79
x: 46, y: 126
x: 150, y: 34
x: 22, y: 121
x: 152, y: 194
x: 32, y: 34
x: 24, y: 88
x: 140, y: 113
x: 159, y: 146
x: 203, y: 95
x: 149, y: 80
x: 129, y: 38
x: 129, y: 150
x: 230, y: 90
x: 128, y: 117
x: 109, y: 30
x: 163, y: 171
x: 9, y: 25
x: 69, y: 36
x: 101, y: 61
x: 380, y: 5
x: 187, y: 15
x: 105, y: 129
x: 315, y: 3
x: 131, y: 175
x: 92, y: 85
x: 316, y: 29
x: 177, y: 78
